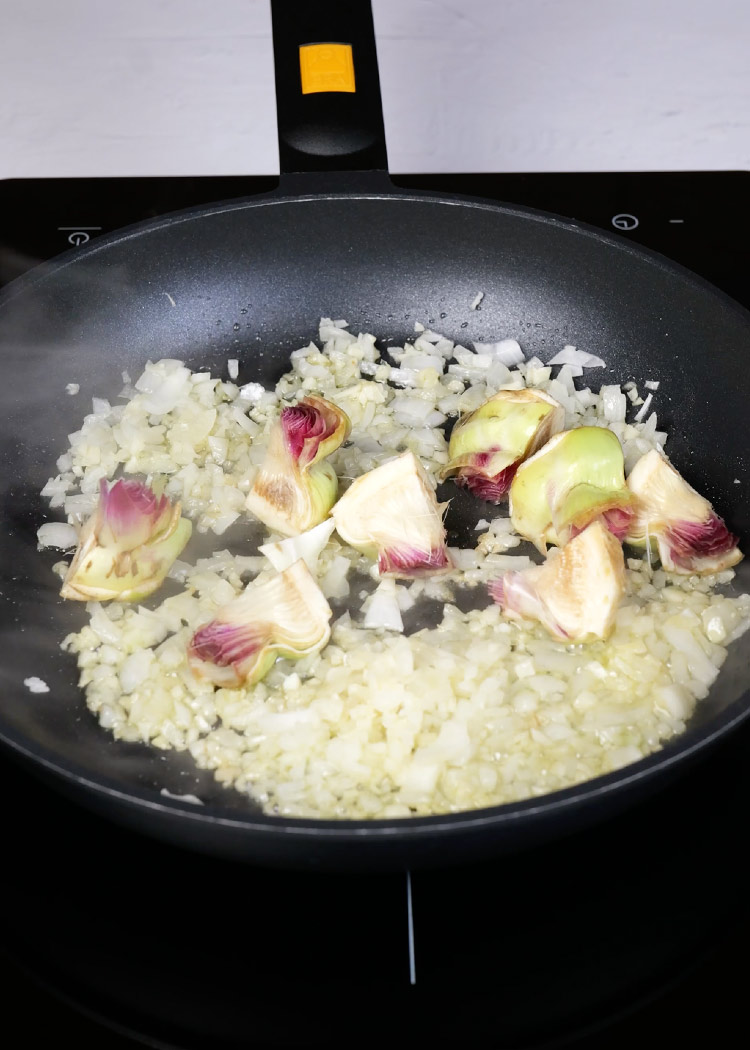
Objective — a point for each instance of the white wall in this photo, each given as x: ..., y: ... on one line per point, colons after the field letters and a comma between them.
x: 106, y: 87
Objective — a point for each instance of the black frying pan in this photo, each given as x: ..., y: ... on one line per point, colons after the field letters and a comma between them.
x: 343, y: 243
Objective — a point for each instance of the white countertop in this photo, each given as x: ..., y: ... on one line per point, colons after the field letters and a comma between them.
x: 176, y: 87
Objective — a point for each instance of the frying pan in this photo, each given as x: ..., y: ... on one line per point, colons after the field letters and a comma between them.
x: 249, y: 279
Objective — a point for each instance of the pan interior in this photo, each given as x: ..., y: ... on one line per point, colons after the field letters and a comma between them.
x: 250, y: 280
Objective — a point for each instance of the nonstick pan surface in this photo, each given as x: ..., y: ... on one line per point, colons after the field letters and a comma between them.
x: 178, y: 287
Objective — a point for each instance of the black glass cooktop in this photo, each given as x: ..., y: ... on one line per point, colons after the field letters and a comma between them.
x: 635, y: 932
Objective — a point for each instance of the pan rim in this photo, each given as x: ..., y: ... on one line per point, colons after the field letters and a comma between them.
x: 47, y: 269
x: 674, y: 754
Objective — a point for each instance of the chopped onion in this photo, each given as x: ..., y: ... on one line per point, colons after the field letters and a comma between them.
x: 36, y: 685
x: 307, y: 545
x: 570, y: 355
x: 182, y: 798
x: 463, y: 558
x: 411, y: 411
x: 57, y: 534
x: 418, y: 362
x: 507, y: 351
x: 334, y: 584
x: 383, y: 610
x: 252, y: 391
x: 163, y: 385
x: 135, y: 669
x: 641, y: 413
x: 469, y: 359
x: 613, y: 403
x: 404, y: 598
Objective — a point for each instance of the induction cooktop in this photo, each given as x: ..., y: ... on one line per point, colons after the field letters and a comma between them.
x: 631, y: 932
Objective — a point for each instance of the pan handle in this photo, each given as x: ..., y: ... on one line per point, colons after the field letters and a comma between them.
x: 330, y: 116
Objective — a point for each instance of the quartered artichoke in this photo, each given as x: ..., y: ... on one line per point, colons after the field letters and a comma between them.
x: 127, y: 546
x: 294, y: 489
x: 576, y: 478
x: 391, y: 513
x: 284, y: 616
x: 676, y: 520
x: 487, y: 445
x: 575, y: 594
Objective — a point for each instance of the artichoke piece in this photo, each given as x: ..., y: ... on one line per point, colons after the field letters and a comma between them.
x: 487, y: 446
x: 294, y: 489
x: 284, y: 616
x: 575, y: 594
x: 392, y: 513
x: 576, y: 478
x: 127, y: 546
x: 672, y: 517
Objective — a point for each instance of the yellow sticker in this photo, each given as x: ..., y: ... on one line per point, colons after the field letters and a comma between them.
x: 326, y: 67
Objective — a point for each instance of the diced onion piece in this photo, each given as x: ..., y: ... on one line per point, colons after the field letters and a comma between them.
x: 506, y: 351
x: 36, y: 685
x: 570, y: 355
x: 252, y: 391
x: 384, y: 609
x: 307, y: 545
x: 641, y: 413
x: 613, y: 403
x: 193, y: 799
x: 57, y: 534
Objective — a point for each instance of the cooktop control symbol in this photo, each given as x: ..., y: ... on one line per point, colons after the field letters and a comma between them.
x: 78, y: 234
x: 624, y: 221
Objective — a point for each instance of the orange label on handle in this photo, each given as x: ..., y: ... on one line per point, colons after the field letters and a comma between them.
x: 326, y: 67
